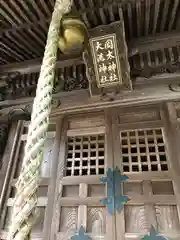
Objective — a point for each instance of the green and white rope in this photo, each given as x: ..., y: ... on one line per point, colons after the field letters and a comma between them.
x: 25, y: 211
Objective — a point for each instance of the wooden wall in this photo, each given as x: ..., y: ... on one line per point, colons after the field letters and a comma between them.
x: 142, y: 142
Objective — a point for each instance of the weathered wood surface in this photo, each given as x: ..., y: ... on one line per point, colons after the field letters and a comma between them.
x: 33, y: 66
x: 20, y: 40
x: 80, y: 101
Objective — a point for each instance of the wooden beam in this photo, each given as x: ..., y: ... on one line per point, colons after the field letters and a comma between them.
x: 159, y: 41
x: 80, y: 101
x: 32, y: 66
x: 136, y: 46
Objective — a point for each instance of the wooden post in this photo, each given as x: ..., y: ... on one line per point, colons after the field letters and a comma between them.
x: 172, y: 140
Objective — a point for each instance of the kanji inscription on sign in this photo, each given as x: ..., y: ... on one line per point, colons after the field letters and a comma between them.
x: 106, y: 60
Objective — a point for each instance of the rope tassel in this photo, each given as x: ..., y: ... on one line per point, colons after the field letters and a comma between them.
x: 25, y: 212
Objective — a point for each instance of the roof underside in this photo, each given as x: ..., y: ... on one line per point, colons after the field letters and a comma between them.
x: 24, y: 24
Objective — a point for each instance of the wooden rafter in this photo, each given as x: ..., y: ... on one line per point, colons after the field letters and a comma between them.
x: 32, y: 66
x: 152, y: 43
x: 20, y: 21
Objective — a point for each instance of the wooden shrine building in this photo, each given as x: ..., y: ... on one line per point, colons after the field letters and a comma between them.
x: 116, y: 104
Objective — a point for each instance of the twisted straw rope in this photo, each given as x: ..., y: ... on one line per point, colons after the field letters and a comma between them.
x: 25, y: 212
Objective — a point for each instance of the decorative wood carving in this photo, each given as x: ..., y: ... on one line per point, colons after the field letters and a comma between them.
x: 152, y: 69
x: 68, y: 221
x: 167, y: 218
x: 135, y: 219
x: 174, y: 87
x: 67, y: 79
x: 22, y: 112
x: 96, y: 221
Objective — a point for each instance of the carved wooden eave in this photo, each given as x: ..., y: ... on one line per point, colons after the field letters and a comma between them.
x: 151, y: 35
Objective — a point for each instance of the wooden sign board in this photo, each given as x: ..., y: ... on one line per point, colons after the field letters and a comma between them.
x: 106, y: 60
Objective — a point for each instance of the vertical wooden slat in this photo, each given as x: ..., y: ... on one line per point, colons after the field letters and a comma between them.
x: 86, y: 20
x: 129, y: 152
x: 141, y: 61
x: 58, y: 188
x: 147, y: 16
x: 147, y: 150
x: 130, y: 19
x: 164, y: 59
x: 156, y: 13
x: 52, y: 183
x: 89, y: 152
x: 148, y: 59
x: 171, y: 54
x: 103, y: 16
x: 82, y: 209
x: 172, y: 140
x: 156, y: 58
x: 111, y: 223
x: 97, y: 156
x: 138, y: 14
x: 10, y: 171
x: 120, y: 218
x: 7, y: 159
x: 173, y: 14
x: 138, y: 151
x: 149, y: 208
x: 156, y: 150
x: 164, y: 16
x: 111, y: 13
x: 81, y: 157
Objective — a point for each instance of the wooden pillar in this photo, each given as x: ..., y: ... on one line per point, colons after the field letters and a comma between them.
x: 52, y: 185
x: 172, y: 138
x: 8, y: 157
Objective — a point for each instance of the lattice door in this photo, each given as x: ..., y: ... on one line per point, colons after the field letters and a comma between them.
x: 150, y: 186
x: 84, y: 150
x: 141, y: 154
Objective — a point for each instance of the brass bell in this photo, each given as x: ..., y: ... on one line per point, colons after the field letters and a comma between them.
x: 73, y: 34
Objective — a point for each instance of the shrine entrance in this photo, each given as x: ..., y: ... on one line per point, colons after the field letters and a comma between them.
x: 79, y: 150
x: 138, y: 143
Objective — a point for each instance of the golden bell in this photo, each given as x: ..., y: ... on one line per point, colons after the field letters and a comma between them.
x: 73, y: 35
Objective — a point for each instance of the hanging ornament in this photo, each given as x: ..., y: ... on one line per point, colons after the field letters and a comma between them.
x: 115, y: 199
x: 153, y: 235
x: 73, y: 34
x: 81, y: 235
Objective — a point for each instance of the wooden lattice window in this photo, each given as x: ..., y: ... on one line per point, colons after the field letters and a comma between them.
x: 85, y: 155
x: 143, y: 150
x: 42, y: 192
